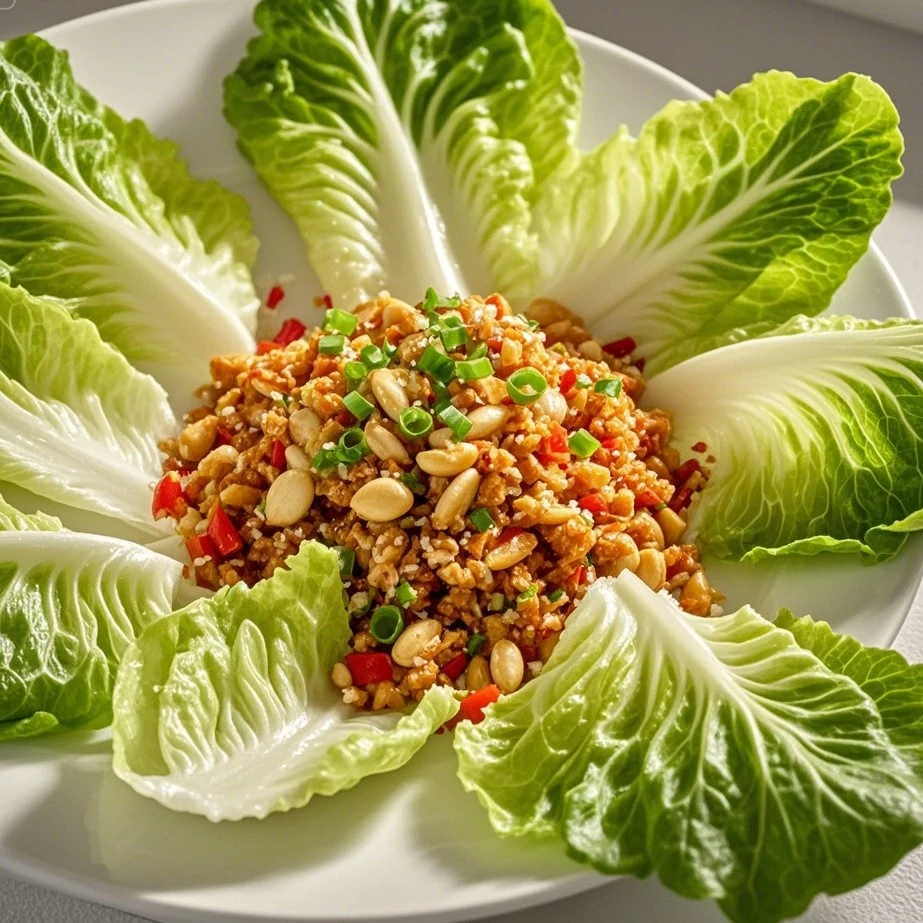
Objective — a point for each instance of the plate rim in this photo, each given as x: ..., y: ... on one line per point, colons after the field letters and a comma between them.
x: 119, y: 897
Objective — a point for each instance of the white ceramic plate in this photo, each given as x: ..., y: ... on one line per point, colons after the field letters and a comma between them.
x: 406, y: 846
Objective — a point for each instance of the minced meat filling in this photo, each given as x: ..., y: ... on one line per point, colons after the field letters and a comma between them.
x: 476, y: 469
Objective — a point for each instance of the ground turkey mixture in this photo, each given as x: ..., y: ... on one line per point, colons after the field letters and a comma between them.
x: 476, y: 469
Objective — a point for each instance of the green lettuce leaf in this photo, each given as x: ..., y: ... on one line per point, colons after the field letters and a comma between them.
x: 715, y: 753
x: 408, y: 138
x: 894, y: 685
x: 70, y: 605
x: 226, y: 707
x: 104, y: 216
x: 818, y: 434
x: 78, y: 424
x: 724, y: 217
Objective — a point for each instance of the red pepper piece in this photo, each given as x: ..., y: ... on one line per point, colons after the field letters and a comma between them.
x: 640, y: 363
x: 276, y: 294
x: 610, y: 445
x: 495, y: 342
x: 368, y: 668
x: 686, y: 470
x: 290, y: 331
x: 473, y: 705
x: 223, y: 533
x: 620, y: 348
x: 681, y: 499
x: 225, y: 436
x: 277, y: 459
x: 647, y: 499
x: 700, y: 447
x: 528, y: 652
x: 508, y: 534
x: 579, y: 575
x: 568, y: 380
x: 553, y: 449
x: 456, y: 666
x: 201, y: 546
x: 266, y: 346
x: 328, y: 302
x: 168, y: 497
x: 594, y: 503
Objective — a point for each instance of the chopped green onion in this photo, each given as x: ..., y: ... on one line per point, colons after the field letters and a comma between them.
x: 405, y: 594
x: 386, y: 624
x: 478, y: 352
x: 453, y: 334
x: 558, y: 348
x: 352, y: 446
x: 611, y: 387
x: 556, y: 595
x: 355, y: 373
x: 473, y: 368
x: 529, y: 593
x: 588, y: 560
x: 456, y: 421
x: 389, y: 350
x: 331, y: 345
x: 584, y: 381
x: 582, y: 444
x: 358, y: 406
x: 283, y: 399
x: 522, y: 379
x: 347, y: 560
x: 362, y: 607
x: 443, y: 398
x: 324, y: 460
x: 659, y: 507
x: 497, y: 602
x: 482, y: 519
x: 534, y: 324
x: 340, y: 321
x: 441, y: 367
x: 415, y: 422
x: 373, y: 357
x: 413, y: 483
x: 431, y: 300
x: 475, y: 643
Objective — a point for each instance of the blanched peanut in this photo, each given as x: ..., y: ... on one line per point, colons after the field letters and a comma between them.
x: 385, y: 444
x: 341, y: 676
x: 552, y: 404
x: 413, y: 641
x: 382, y: 500
x: 196, y: 440
x: 546, y: 311
x: 511, y: 552
x: 628, y: 556
x: 296, y: 457
x: 289, y: 497
x: 389, y: 392
x: 445, y: 463
x: 395, y: 312
x: 304, y: 425
x: 652, y: 568
x: 485, y: 421
x: 671, y: 526
x: 218, y: 462
x: 556, y: 515
x: 506, y: 666
x: 696, y: 597
x: 440, y: 438
x: 477, y: 676
x: 456, y: 499
x: 591, y: 350
x: 547, y: 645
x: 240, y: 495
x: 646, y: 531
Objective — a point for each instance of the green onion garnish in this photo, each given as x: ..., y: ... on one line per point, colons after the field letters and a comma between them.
x: 529, y: 593
x: 456, y: 421
x: 441, y: 367
x: 533, y: 324
x: 482, y: 519
x: 478, y: 352
x: 340, y: 321
x: 522, y: 379
x: 324, y: 460
x: 386, y: 624
x: 582, y: 444
x: 358, y: 406
x: 331, y: 345
x: 362, y: 608
x: 431, y: 300
x: 355, y: 373
x: 584, y: 381
x: 373, y: 357
x: 453, y: 334
x: 347, y: 560
x: 405, y: 594
x: 471, y: 369
x: 497, y: 602
x: 413, y: 483
x: 443, y: 398
x: 352, y: 446
x: 414, y: 422
x: 556, y: 595
x: 611, y: 387
x: 475, y: 643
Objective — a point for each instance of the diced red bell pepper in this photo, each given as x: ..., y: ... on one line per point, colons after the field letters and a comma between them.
x: 681, y: 499
x: 610, y: 445
x: 568, y: 380
x: 473, y: 705
x: 495, y: 342
x: 328, y: 302
x: 168, y: 497
x: 368, y: 668
x: 223, y: 533
x: 508, y: 534
x: 594, y: 503
x: 201, y: 546
x: 553, y: 449
x: 579, y: 575
x: 456, y: 666
x: 290, y: 331
x: 686, y: 470
x: 699, y: 447
x: 277, y: 459
x: 621, y: 348
x: 266, y: 346
x: 276, y: 294
x: 647, y: 499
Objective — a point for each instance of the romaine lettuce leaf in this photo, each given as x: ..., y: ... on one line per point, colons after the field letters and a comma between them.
x: 78, y: 424
x: 818, y: 434
x: 716, y: 753
x: 724, y: 217
x: 408, y: 138
x: 70, y: 604
x: 226, y: 707
x: 101, y: 214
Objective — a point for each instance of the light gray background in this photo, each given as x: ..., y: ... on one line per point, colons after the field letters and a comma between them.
x: 716, y: 44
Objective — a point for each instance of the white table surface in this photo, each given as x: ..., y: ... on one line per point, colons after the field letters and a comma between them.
x: 716, y: 44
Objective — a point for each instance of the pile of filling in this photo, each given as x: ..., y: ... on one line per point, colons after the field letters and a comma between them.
x: 476, y: 469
